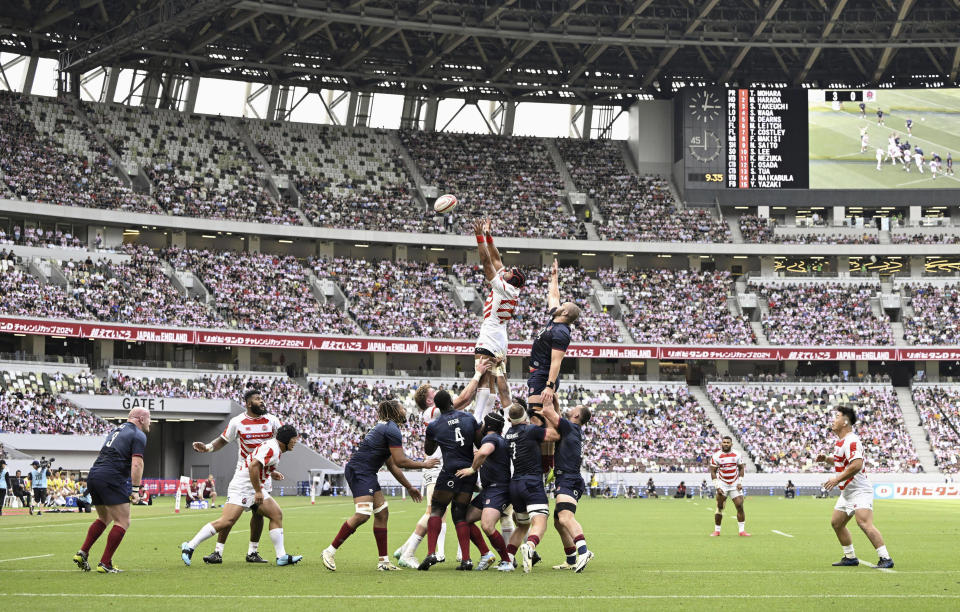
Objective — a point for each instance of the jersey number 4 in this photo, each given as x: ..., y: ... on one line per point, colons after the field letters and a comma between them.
x: 459, y: 436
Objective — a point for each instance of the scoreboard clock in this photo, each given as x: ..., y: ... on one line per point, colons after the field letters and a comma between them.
x: 703, y: 136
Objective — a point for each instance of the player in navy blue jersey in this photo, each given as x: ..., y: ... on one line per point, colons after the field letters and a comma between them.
x: 527, y: 493
x: 382, y: 445
x: 570, y: 484
x: 492, y: 462
x: 547, y: 352
x: 118, y: 468
x: 455, y: 433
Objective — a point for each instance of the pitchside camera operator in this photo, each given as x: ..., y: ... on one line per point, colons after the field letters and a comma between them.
x: 38, y: 482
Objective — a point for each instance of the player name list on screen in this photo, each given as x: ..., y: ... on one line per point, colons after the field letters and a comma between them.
x: 767, y: 139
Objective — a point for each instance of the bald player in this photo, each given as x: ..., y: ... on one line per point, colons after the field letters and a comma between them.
x: 118, y: 468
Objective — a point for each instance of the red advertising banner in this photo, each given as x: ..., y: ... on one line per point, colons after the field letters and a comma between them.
x: 156, y: 486
x: 106, y: 331
x: 231, y: 338
x: 831, y: 354
x: 718, y: 352
x: 921, y: 354
x: 11, y: 325
x: 368, y: 344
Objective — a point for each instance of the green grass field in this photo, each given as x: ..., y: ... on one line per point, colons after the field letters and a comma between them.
x: 835, y: 160
x: 649, y: 553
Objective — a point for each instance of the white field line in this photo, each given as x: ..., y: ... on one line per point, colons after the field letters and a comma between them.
x: 25, y: 558
x: 786, y: 535
x: 882, y: 569
x: 578, y: 597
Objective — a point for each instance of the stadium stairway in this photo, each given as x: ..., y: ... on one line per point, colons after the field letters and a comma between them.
x: 560, y: 165
x: 911, y: 418
x: 97, y: 134
x: 733, y: 222
x: 759, y: 333
x: 266, y: 175
x: 409, y: 163
x: 700, y: 393
x: 897, y: 328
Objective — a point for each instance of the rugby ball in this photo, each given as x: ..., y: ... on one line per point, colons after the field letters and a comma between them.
x: 445, y: 203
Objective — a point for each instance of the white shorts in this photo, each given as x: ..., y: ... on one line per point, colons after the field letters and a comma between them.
x: 729, y: 491
x: 430, y: 477
x: 851, y: 501
x: 240, y: 492
x: 493, y: 338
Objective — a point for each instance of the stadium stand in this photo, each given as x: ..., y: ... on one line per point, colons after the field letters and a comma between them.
x: 758, y: 229
x: 940, y: 418
x: 935, y: 311
x: 513, y: 176
x: 37, y: 237
x: 677, y: 306
x: 47, y: 156
x: 21, y: 293
x: 784, y: 428
x: 634, y: 208
x: 29, y: 403
x: 198, y: 164
x: 843, y: 313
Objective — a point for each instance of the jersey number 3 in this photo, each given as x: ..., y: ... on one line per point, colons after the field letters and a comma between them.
x: 112, y: 438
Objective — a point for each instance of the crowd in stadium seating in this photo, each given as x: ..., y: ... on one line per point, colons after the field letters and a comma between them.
x: 136, y: 291
x: 940, y: 417
x: 36, y: 167
x: 531, y: 313
x: 22, y: 294
x: 905, y: 238
x: 30, y: 412
x: 785, y: 428
x: 392, y: 209
x: 261, y: 291
x: 841, y: 311
x: 677, y: 306
x: 935, y: 314
x: 761, y: 229
x: 398, y: 298
x: 36, y: 237
x: 198, y: 165
x: 511, y: 178
x: 634, y: 208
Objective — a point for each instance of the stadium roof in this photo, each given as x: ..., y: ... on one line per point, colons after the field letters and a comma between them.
x: 577, y: 51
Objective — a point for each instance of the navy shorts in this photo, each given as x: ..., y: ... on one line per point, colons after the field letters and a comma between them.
x: 107, y: 493
x: 537, y: 382
x: 447, y: 480
x: 570, y: 484
x: 40, y: 495
x: 527, y: 491
x: 361, y: 484
x: 494, y: 496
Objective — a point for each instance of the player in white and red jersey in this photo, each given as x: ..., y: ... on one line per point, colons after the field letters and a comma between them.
x: 250, y: 429
x: 856, y: 492
x: 498, y: 310
x: 247, y: 492
x: 726, y: 470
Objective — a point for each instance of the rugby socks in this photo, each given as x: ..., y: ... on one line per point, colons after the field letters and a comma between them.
x: 410, y: 547
x: 506, y: 526
x: 717, y: 528
x: 480, y: 407
x: 511, y: 550
x: 433, y: 532
x: 218, y: 548
x: 477, y: 538
x: 93, y: 533
x: 741, y: 526
x: 499, y: 545
x: 442, y: 540
x: 113, y: 541
x: 581, y: 543
x: 253, y: 547
x: 345, y: 532
x: 463, y: 536
x: 206, y: 532
x: 882, y: 552
x: 380, y: 535
x: 276, y: 536
x: 848, y: 552
x: 571, y: 552
x: 533, y: 540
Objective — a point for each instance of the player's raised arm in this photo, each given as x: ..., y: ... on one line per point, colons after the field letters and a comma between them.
x: 482, y: 248
x: 492, y: 250
x: 551, y: 416
x: 556, y: 358
x: 466, y: 396
x: 553, y: 293
x: 212, y: 446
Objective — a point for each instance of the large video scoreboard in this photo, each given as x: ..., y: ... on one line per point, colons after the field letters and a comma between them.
x: 745, y: 138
